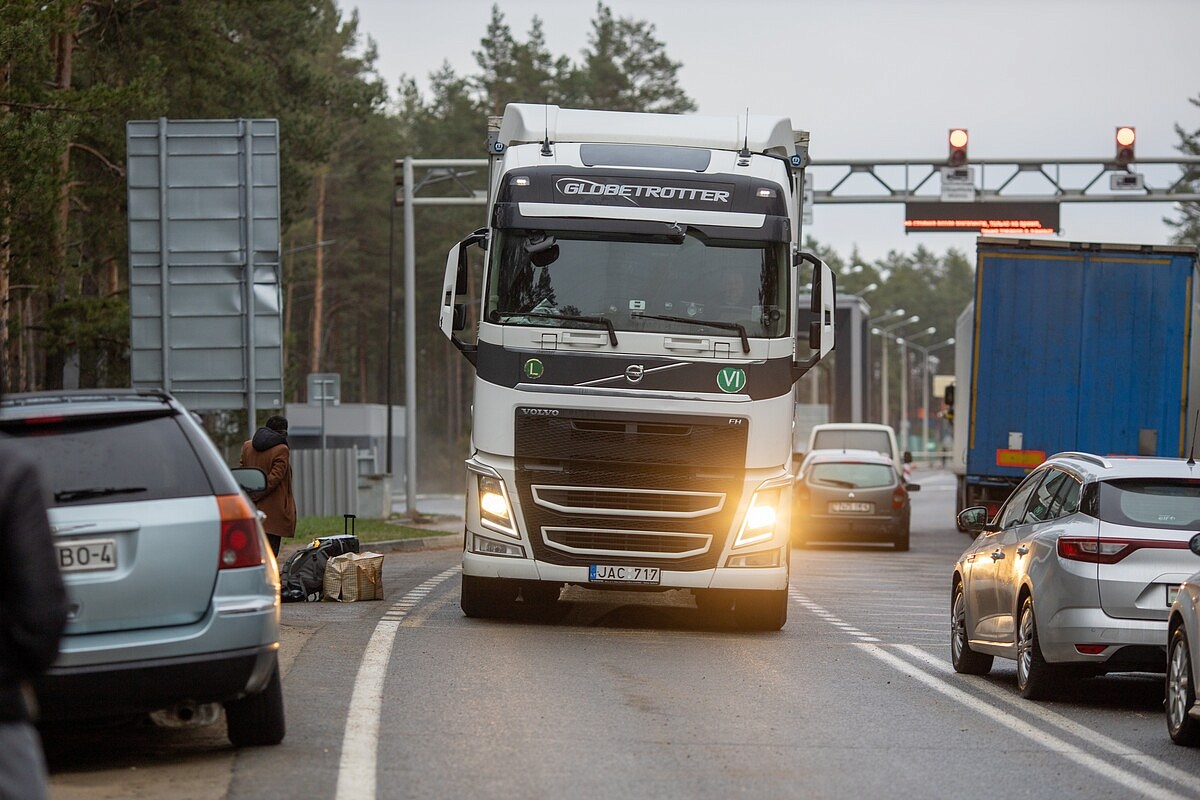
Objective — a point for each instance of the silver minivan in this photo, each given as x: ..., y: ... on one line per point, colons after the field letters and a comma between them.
x: 173, y: 593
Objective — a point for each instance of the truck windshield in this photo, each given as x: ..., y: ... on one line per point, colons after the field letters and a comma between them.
x: 628, y: 280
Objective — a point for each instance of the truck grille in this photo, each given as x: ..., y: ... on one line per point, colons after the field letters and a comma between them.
x: 644, y: 489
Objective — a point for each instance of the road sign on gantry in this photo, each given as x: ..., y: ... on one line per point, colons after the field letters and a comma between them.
x: 204, y: 297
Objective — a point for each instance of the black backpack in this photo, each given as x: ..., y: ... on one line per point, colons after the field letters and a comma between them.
x: 302, y: 576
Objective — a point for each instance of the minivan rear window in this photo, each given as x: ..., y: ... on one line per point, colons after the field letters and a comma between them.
x: 114, y: 461
x: 853, y: 440
x: 1151, y: 503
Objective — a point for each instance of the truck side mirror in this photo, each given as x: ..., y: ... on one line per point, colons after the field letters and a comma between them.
x: 452, y: 315
x: 948, y: 396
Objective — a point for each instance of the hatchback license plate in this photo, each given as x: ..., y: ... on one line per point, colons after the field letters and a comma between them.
x: 1172, y: 592
x: 608, y: 573
x: 851, y: 508
x: 91, y: 555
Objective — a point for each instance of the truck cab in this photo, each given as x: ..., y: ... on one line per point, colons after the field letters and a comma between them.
x: 636, y: 338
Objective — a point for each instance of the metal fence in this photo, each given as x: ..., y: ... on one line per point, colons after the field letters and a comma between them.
x: 325, y: 487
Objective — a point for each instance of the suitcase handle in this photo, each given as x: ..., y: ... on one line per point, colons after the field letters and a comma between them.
x: 348, y: 523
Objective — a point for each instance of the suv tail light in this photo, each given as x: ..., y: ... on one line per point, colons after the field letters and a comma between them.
x: 899, y: 496
x: 1109, y: 551
x: 241, y: 542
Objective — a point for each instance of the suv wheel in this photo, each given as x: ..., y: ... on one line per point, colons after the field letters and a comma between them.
x: 1036, y: 679
x: 1181, y: 692
x: 964, y: 659
x: 258, y: 719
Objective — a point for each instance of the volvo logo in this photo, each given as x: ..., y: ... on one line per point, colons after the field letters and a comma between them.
x: 540, y: 412
x: 634, y: 373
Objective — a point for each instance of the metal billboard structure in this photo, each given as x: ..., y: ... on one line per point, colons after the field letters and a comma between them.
x: 204, y: 255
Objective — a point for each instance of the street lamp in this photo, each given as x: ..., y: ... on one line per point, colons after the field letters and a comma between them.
x: 870, y: 287
x: 896, y: 312
x: 884, y: 331
x: 925, y: 351
x: 905, y: 376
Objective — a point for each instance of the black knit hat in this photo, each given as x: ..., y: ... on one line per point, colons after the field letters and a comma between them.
x: 277, y: 424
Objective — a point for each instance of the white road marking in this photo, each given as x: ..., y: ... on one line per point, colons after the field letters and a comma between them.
x: 1067, y: 725
x: 1050, y: 742
x: 1053, y: 743
x: 356, y: 771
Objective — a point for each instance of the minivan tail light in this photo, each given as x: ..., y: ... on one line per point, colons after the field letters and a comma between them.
x: 1109, y: 551
x: 241, y: 543
x: 899, y: 495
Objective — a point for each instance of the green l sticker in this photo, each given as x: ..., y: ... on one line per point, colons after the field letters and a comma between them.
x: 731, y: 379
x: 533, y: 369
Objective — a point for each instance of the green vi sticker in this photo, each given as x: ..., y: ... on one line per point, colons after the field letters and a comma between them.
x: 533, y: 369
x: 731, y: 379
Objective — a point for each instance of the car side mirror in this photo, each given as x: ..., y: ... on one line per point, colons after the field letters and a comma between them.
x: 973, y: 519
x: 912, y: 487
x: 1194, y: 544
x: 251, y: 479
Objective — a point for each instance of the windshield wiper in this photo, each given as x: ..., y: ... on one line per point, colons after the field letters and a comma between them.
x: 729, y: 326
x: 605, y: 321
x: 68, y: 495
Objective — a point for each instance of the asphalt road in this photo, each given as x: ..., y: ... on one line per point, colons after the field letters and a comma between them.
x: 637, y: 696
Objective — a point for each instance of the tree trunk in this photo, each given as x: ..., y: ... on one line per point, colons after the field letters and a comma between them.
x: 318, y: 311
x: 64, y: 51
x: 5, y: 273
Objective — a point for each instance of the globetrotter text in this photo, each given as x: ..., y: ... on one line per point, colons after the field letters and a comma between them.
x: 632, y: 190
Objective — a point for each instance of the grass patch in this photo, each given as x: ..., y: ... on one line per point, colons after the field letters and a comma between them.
x: 367, y: 530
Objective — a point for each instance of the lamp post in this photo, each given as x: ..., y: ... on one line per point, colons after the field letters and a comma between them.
x: 925, y: 351
x: 905, y: 376
x: 885, y: 331
x: 871, y: 326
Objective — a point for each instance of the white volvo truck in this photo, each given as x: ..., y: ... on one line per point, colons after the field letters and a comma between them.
x: 636, y: 342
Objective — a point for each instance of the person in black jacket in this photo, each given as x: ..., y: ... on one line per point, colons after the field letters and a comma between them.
x: 33, y: 613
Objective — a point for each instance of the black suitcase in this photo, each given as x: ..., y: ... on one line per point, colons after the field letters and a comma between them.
x: 302, y: 576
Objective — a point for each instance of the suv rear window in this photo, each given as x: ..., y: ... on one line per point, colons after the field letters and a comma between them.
x: 1154, y: 503
x: 853, y: 440
x: 115, y: 460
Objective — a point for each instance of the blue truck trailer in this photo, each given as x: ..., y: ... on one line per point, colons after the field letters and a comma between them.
x: 1072, y: 346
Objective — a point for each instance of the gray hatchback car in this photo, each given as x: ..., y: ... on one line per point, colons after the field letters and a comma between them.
x: 173, y: 592
x: 850, y: 495
x: 1077, y: 572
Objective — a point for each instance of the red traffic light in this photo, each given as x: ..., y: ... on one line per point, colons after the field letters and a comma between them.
x: 1126, y: 136
x: 958, y: 147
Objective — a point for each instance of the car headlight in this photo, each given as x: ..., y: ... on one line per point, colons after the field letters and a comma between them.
x: 759, y: 524
x: 495, y: 512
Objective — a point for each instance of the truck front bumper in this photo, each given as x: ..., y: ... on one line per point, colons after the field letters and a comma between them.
x: 525, y: 569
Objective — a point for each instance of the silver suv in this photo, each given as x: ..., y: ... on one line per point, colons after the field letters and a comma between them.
x: 1077, y: 572
x: 174, y: 596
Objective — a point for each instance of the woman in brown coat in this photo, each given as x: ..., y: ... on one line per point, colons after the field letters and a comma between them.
x: 268, y: 451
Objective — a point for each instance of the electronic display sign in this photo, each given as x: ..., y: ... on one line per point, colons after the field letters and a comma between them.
x: 990, y: 218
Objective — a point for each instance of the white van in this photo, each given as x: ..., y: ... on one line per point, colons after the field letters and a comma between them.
x: 858, y: 436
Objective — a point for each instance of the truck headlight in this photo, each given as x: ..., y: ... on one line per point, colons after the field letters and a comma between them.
x: 495, y: 512
x: 759, y: 524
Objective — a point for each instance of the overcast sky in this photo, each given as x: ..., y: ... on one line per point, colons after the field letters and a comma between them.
x: 886, y: 79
